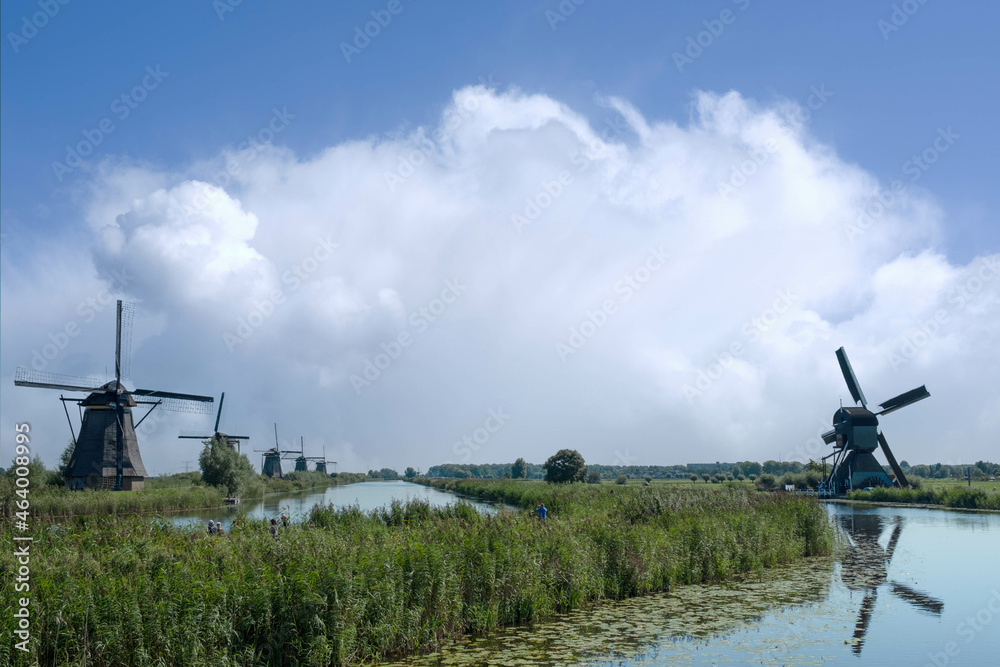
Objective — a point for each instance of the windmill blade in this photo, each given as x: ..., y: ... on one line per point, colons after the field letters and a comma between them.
x: 900, y: 477
x: 218, y: 416
x: 850, y: 378
x: 893, y: 539
x: 904, y: 399
x: 29, y: 377
x: 125, y: 335
x: 864, y: 618
x: 916, y: 598
x: 175, y: 402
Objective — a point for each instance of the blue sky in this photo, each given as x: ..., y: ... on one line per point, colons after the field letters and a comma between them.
x: 651, y: 106
x: 939, y: 69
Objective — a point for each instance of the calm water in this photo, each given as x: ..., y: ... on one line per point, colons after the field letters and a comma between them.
x: 366, y: 495
x: 906, y: 587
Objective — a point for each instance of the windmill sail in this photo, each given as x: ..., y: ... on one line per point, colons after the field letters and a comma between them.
x: 904, y: 399
x: 850, y: 378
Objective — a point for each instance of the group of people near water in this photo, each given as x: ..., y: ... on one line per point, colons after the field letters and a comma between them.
x: 215, y: 527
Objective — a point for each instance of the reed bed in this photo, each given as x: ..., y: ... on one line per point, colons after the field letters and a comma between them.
x: 975, y: 499
x: 52, y: 503
x: 347, y: 587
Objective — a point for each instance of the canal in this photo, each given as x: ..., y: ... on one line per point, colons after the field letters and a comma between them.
x: 905, y: 587
x: 365, y: 495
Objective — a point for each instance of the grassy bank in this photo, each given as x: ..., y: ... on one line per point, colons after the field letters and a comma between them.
x: 348, y: 587
x: 178, y: 492
x: 955, y: 496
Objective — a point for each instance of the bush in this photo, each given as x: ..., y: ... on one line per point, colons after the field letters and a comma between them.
x: 622, y: 479
x: 594, y: 478
x: 767, y: 481
x: 694, y: 478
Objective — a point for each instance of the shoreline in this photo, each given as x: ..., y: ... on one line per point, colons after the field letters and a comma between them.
x: 884, y: 503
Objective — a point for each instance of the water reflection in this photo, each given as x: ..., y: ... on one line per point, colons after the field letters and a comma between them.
x: 864, y: 568
x: 900, y: 590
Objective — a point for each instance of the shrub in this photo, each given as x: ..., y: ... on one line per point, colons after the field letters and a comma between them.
x: 621, y: 479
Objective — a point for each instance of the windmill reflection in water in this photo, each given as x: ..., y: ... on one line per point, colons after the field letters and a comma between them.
x: 865, y: 568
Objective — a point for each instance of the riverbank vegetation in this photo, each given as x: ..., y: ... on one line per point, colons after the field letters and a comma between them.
x: 224, y: 473
x: 954, y: 496
x: 348, y: 587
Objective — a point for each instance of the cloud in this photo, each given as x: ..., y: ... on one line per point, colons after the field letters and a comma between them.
x: 676, y: 289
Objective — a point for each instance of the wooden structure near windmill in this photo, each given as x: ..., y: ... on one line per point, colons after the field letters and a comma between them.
x: 106, y: 451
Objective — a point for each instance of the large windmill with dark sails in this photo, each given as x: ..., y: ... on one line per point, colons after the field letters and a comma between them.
x: 855, y: 435
x: 231, y: 440
x: 106, y: 452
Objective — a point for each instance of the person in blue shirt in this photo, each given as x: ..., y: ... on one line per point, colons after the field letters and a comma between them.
x: 542, y: 511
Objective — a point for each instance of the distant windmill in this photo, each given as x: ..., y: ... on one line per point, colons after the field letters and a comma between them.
x: 106, y: 453
x: 231, y: 440
x: 270, y: 464
x: 855, y: 436
x: 321, y: 464
x: 302, y: 461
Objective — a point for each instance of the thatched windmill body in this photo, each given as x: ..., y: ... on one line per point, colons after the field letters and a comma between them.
x: 106, y: 451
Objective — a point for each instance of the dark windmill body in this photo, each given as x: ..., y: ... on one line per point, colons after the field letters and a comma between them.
x: 106, y: 452
x: 855, y: 436
x: 321, y: 463
x: 302, y: 461
x: 270, y: 463
x: 231, y: 440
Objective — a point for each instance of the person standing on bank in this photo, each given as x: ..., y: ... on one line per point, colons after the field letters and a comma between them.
x: 542, y: 511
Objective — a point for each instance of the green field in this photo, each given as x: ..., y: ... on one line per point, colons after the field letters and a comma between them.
x: 346, y: 587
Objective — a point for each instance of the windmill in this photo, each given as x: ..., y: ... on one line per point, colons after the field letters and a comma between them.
x: 855, y: 436
x: 302, y: 461
x: 270, y: 460
x: 865, y: 568
x: 321, y: 463
x: 231, y: 440
x: 106, y: 452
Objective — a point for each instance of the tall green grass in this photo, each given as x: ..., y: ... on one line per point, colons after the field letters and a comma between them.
x: 349, y: 587
x: 949, y: 497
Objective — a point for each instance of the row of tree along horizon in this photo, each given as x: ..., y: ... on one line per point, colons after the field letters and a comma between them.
x: 523, y: 469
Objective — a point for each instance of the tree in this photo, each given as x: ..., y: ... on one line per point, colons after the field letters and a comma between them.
x: 622, y: 479
x: 594, y: 477
x: 519, y: 469
x: 705, y: 476
x: 566, y: 465
x: 222, y: 466
x: 62, y: 470
x: 410, y: 473
x: 388, y: 473
x: 694, y: 478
